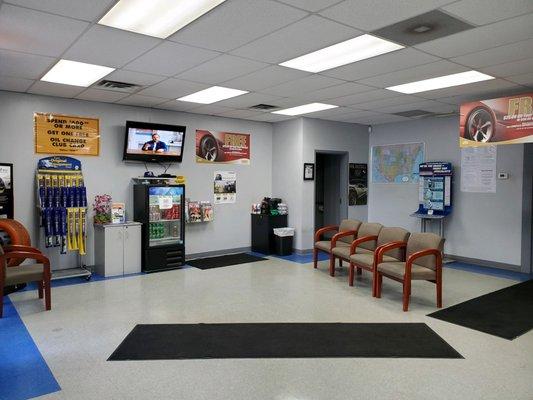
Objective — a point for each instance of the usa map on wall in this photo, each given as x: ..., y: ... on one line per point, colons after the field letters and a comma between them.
x: 397, y: 163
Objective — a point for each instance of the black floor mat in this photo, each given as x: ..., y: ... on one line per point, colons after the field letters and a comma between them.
x: 224, y: 261
x: 507, y: 313
x: 282, y: 340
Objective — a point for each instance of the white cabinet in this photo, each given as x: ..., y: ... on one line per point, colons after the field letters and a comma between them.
x: 117, y: 249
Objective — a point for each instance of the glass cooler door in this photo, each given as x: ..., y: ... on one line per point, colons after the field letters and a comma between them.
x: 165, y: 215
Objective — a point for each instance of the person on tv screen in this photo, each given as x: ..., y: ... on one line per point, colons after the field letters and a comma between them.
x: 155, y: 145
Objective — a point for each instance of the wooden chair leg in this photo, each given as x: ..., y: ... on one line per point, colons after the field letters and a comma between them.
x: 315, y: 257
x: 351, y: 274
x: 379, y: 284
x: 331, y: 265
x: 439, y: 292
x: 47, y: 295
x: 406, y: 294
x: 40, y: 288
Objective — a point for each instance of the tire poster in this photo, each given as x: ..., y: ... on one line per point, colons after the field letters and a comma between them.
x: 507, y: 120
x: 225, y: 187
x: 6, y: 191
x: 222, y: 147
x: 358, y: 179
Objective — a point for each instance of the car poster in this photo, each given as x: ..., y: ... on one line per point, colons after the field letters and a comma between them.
x: 6, y: 191
x: 507, y: 120
x: 358, y: 184
x: 225, y: 187
x: 222, y: 147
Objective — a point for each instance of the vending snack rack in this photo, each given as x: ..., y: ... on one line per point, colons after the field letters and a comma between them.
x: 62, y: 203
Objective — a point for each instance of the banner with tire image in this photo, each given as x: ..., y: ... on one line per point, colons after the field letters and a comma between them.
x: 222, y: 147
x: 506, y: 120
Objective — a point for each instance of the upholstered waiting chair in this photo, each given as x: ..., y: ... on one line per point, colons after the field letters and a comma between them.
x: 12, y: 275
x: 423, y: 262
x: 344, y: 236
x: 365, y: 242
x: 367, y: 260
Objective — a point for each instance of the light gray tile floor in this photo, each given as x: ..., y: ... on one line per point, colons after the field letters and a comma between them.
x: 89, y: 321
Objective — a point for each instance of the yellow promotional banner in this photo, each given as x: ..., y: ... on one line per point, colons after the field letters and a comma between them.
x: 66, y: 134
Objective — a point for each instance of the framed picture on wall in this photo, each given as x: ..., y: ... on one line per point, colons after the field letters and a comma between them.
x: 309, y: 171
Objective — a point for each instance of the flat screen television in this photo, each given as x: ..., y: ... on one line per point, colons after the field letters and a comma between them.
x: 153, y: 142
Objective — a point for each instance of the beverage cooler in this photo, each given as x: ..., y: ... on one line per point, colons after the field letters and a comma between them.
x: 160, y: 208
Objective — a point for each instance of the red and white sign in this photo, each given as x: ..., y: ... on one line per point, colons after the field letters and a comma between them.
x: 507, y: 120
x: 222, y: 147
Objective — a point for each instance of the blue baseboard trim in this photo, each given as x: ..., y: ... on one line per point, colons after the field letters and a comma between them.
x: 479, y: 269
x: 24, y: 373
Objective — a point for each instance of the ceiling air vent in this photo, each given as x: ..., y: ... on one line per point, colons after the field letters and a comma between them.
x: 118, y: 86
x: 414, y: 113
x: 263, y: 107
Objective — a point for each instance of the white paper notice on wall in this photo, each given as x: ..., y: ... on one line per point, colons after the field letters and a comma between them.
x: 478, y: 169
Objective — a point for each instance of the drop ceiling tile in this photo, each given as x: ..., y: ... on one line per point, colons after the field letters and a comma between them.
x: 369, y: 15
x: 172, y: 89
x: 364, y: 97
x: 22, y: 65
x: 14, y: 84
x: 302, y: 85
x: 481, y: 12
x: 377, y: 105
x: 510, y: 68
x: 332, y: 112
x: 524, y: 79
x: 310, y: 5
x: 240, y: 114
x: 55, y: 89
x: 383, y: 64
x: 111, y: 47
x: 421, y: 72
x: 331, y: 92
x: 357, y: 116
x: 177, y: 105
x: 479, y: 89
x: 235, y: 23
x: 170, y: 58
x: 136, y: 78
x: 37, y: 32
x: 482, y: 38
x: 497, y: 55
x: 210, y: 109
x: 142, y: 101
x: 107, y: 96
x: 466, y: 98
x: 85, y: 10
x: 267, y: 77
x: 249, y: 100
x: 302, y: 37
x: 383, y: 119
x: 221, y: 69
x: 269, y: 117
x: 426, y: 105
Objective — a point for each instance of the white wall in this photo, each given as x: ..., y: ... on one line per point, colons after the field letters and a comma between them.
x: 107, y: 173
x: 295, y: 143
x: 485, y: 226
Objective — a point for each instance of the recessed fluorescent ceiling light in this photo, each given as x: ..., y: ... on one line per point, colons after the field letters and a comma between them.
x: 76, y: 73
x: 212, y: 95
x: 440, y: 82
x: 159, y: 18
x: 305, y: 109
x: 346, y: 52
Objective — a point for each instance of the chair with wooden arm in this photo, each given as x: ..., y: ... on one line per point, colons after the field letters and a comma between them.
x: 12, y: 275
x: 424, y: 262
x: 366, y: 230
x: 347, y: 225
x: 367, y: 260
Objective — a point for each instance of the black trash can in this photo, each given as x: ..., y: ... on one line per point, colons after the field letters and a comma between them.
x: 283, y: 241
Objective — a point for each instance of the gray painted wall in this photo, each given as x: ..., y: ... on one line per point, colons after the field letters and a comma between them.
x: 485, y: 226
x: 109, y: 174
x: 296, y: 142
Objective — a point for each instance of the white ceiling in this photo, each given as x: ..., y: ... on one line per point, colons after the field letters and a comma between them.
x: 239, y: 43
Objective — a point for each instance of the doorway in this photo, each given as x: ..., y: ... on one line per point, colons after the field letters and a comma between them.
x: 331, y: 188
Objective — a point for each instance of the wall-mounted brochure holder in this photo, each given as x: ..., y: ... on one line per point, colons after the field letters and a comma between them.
x: 62, y: 202
x: 435, y: 188
x: 199, y: 211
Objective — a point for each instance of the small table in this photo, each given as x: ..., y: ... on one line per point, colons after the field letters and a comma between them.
x: 424, y: 219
